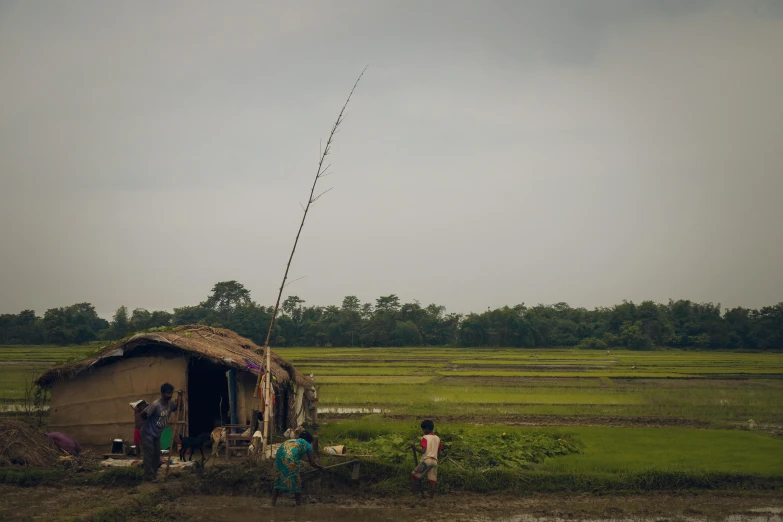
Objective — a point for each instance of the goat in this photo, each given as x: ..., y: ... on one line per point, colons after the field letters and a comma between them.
x: 193, y: 444
x: 294, y: 433
x: 218, y: 436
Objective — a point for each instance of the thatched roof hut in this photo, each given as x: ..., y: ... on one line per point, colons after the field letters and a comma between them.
x: 91, y: 398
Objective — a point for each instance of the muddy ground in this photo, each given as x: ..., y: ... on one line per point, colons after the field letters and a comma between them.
x: 171, y: 502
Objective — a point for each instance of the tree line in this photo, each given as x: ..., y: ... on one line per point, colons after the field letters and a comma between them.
x: 387, y: 323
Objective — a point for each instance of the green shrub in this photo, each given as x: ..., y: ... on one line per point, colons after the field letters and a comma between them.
x: 592, y: 343
x: 480, y: 451
x: 129, y: 476
x: 30, y: 477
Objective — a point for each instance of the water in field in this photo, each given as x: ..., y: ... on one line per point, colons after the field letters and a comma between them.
x: 17, y: 408
x: 345, y: 411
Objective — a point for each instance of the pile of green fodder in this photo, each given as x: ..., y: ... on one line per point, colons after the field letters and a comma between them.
x: 477, y: 451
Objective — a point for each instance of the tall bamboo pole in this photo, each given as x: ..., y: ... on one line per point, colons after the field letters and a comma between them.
x: 321, y: 172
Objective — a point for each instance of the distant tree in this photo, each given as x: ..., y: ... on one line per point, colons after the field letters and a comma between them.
x: 84, y: 314
x: 78, y: 323
x: 767, y: 331
x: 22, y: 328
x: 633, y: 337
x: 740, y: 324
x: 57, y: 327
x: 8, y: 326
x: 472, y: 331
x: 331, y: 329
x: 702, y: 340
x: 367, y: 311
x: 120, y: 324
x: 292, y: 305
x: 190, y: 315
x: 621, y: 314
x: 591, y: 343
x: 26, y: 318
x: 291, y: 323
x: 385, y: 304
x: 351, y: 303
x: 140, y: 320
x: 611, y: 339
x: 407, y: 334
x: 347, y: 330
x: 437, y: 328
x: 252, y: 321
x: 681, y: 315
x: 159, y: 318
x: 380, y: 327
x: 654, y: 323
x: 225, y: 297
x: 388, y: 323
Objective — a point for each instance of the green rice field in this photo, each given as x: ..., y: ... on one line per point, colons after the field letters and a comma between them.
x: 607, y: 450
x: 20, y: 365
x: 717, y: 388
x: 722, y: 389
x: 45, y: 354
x: 640, y: 419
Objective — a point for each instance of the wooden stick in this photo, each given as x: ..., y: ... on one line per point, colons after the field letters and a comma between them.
x: 172, y: 448
x: 455, y: 463
x: 415, y: 456
x: 332, y: 466
x: 352, y: 455
x: 312, y: 199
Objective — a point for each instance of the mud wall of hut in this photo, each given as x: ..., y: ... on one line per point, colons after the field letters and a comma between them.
x: 94, y: 406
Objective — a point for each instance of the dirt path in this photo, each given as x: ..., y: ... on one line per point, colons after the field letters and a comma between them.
x: 150, y: 503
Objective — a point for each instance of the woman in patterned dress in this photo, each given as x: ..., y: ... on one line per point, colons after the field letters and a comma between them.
x: 287, y: 459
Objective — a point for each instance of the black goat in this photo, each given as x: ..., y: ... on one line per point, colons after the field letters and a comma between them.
x: 193, y: 444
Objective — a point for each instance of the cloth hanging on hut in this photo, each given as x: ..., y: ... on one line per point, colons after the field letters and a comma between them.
x: 262, y: 392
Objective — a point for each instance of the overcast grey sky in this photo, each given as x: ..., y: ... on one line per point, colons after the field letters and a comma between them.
x: 495, y: 152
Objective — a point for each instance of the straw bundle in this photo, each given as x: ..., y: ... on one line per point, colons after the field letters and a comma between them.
x: 21, y: 445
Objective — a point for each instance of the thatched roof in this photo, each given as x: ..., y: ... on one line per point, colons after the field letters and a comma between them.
x: 218, y: 345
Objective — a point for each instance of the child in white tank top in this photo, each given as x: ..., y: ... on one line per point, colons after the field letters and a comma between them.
x: 429, y: 446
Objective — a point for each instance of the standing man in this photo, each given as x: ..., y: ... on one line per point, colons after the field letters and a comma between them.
x: 156, y: 417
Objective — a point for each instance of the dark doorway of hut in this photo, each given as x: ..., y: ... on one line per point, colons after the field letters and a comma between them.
x: 208, y: 404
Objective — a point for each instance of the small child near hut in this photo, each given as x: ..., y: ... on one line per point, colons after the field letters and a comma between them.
x: 430, y: 445
x: 138, y: 421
